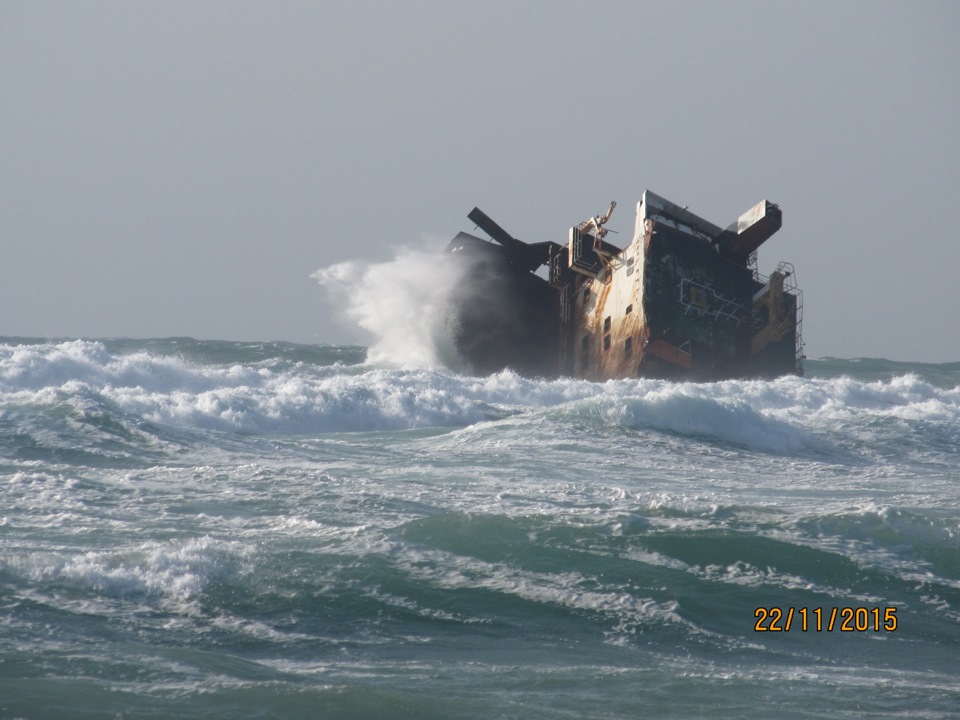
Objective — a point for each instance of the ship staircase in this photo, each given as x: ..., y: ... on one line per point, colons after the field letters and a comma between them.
x: 789, y: 288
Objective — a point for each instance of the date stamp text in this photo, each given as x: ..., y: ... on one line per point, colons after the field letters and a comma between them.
x: 817, y: 619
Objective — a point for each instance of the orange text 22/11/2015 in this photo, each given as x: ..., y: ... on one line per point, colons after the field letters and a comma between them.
x: 847, y: 619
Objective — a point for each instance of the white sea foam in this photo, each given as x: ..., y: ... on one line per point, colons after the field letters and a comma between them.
x: 178, y: 571
x: 783, y: 415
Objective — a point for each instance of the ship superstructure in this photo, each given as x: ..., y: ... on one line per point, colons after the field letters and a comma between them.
x: 682, y: 300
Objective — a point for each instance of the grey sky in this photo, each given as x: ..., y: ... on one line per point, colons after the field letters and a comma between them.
x: 181, y: 168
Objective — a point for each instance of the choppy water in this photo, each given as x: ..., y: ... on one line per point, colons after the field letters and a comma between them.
x: 199, y: 529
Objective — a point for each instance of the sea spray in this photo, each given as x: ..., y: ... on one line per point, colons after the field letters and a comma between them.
x: 402, y: 303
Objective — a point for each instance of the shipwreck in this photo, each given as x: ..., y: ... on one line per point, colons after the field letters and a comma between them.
x: 683, y: 300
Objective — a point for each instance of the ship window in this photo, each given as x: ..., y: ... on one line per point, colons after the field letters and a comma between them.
x: 606, y: 342
x: 628, y: 346
x: 585, y: 343
x: 586, y: 294
x: 629, y: 270
x: 606, y: 324
x: 698, y: 296
x: 628, y: 310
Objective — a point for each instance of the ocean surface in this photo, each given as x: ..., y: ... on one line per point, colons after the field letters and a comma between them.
x: 199, y: 529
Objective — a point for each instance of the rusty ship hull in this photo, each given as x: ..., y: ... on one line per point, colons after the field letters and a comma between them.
x: 683, y: 300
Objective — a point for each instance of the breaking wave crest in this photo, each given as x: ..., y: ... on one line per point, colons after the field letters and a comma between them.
x: 112, y: 389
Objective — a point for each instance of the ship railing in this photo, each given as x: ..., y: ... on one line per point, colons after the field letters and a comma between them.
x: 790, y: 285
x: 716, y: 306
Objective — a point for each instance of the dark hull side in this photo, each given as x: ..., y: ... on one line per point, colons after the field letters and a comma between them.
x: 682, y: 301
x: 503, y: 316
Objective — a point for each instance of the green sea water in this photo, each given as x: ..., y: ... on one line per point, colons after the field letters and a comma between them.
x: 265, y: 530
